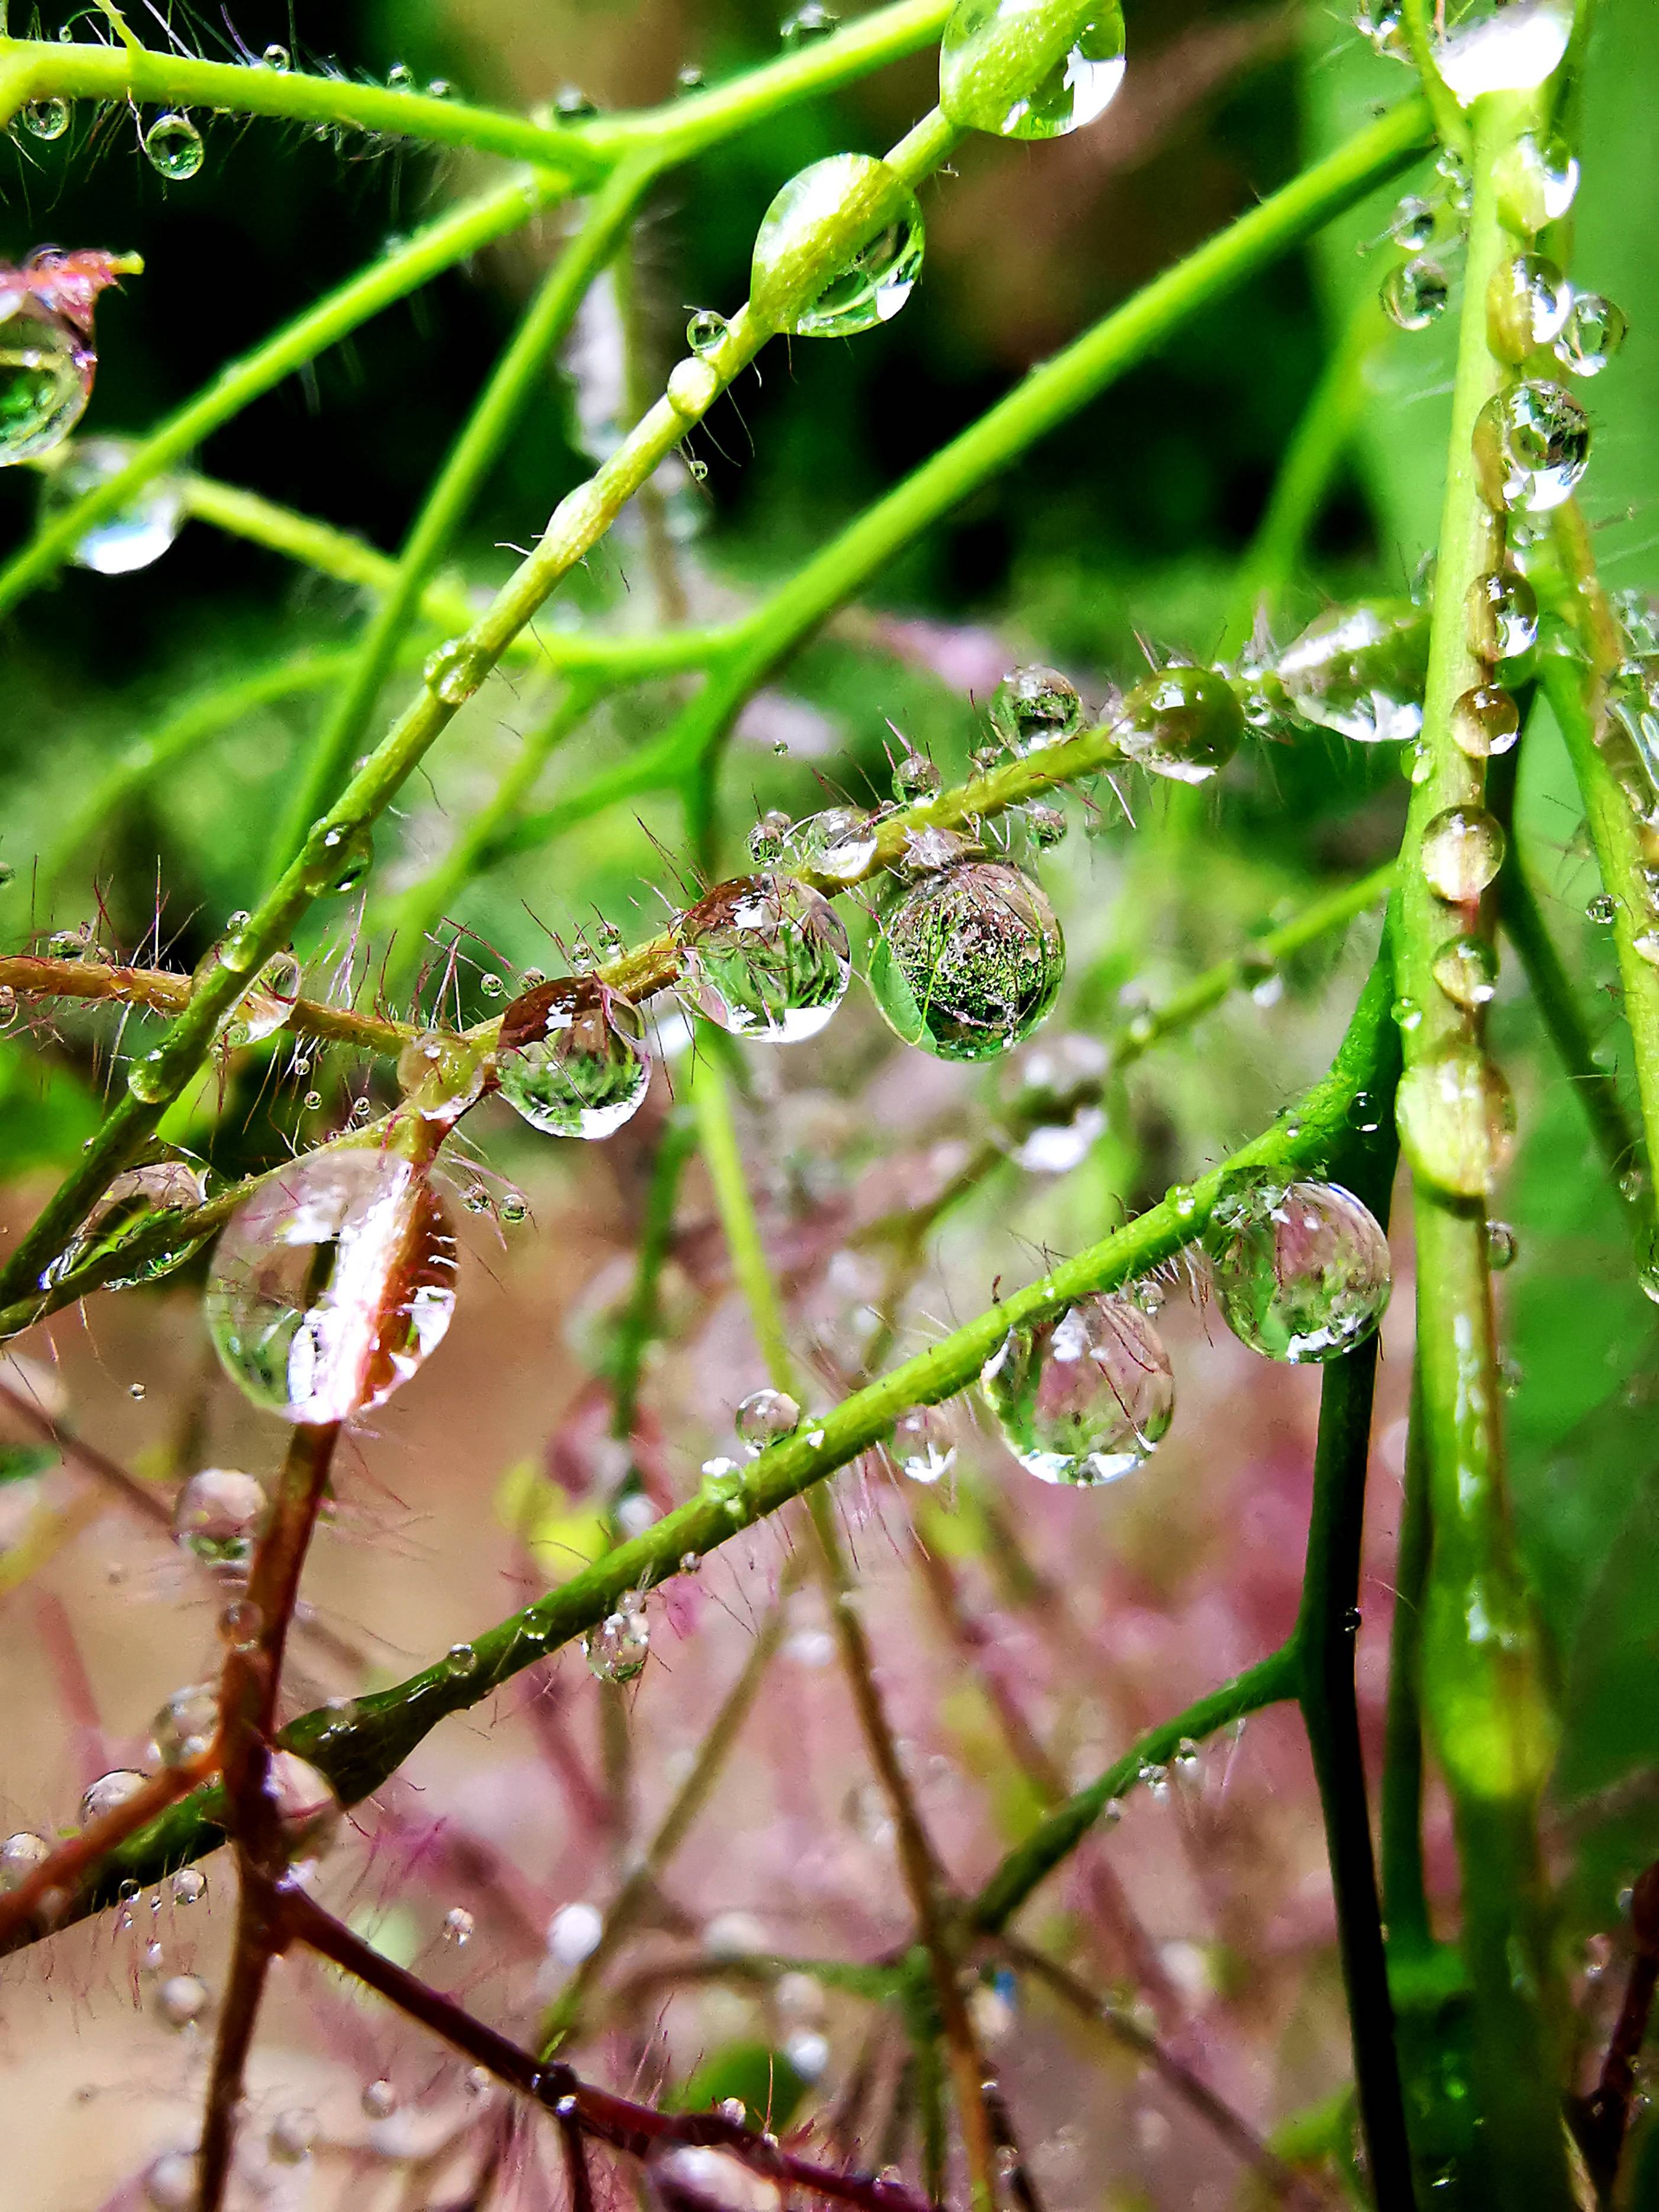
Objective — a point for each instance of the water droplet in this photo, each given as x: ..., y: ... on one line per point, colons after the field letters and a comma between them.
x: 379, y: 2100
x: 1083, y: 1398
x: 20, y: 1855
x: 331, y: 1284
x: 458, y: 1926
x: 110, y: 1790
x: 617, y: 1650
x: 1182, y: 1201
x: 217, y: 1514
x: 1501, y: 1246
x: 312, y: 1101
x: 1412, y: 224
x: 805, y: 24
x: 440, y: 1075
x: 1360, y: 670
x: 763, y: 1417
x: 915, y: 777
x: 1032, y: 707
x: 400, y: 77
x: 1484, y: 721
x: 838, y: 250
x: 766, y: 958
x: 922, y: 1447
x: 135, y: 534
x: 1185, y: 723
x: 1531, y: 447
x: 46, y: 374
x: 453, y: 670
x: 839, y: 843
x: 1023, y: 72
x: 1302, y: 1271
x: 307, y: 1810
x: 705, y: 332
x: 172, y: 146
x: 170, y: 2182
x: 1383, y: 21
x: 1466, y: 969
x: 44, y: 118
x: 1462, y: 852
x: 277, y: 58
x: 338, y: 856
x: 1043, y: 824
x: 1602, y: 910
x: 573, y: 1933
x: 181, y: 2000
x: 461, y: 1660
x: 188, y: 1886
x: 1456, y: 1120
x: 1504, y: 45
x: 1645, y: 946
x: 1593, y: 332
x: 240, y: 1625
x: 135, y: 1212
x: 186, y: 1726
x: 927, y: 851
x: 1526, y: 304
x: 291, y: 2136
x: 268, y: 1005
x: 1502, y: 615
x: 515, y: 1207
x: 1414, y: 294
x: 1536, y: 181
x: 968, y: 961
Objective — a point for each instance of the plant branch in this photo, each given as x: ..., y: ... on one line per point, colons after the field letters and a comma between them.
x: 1404, y: 1896
x: 163, y: 991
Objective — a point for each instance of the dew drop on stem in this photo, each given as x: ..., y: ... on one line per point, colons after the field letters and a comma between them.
x: 1462, y: 851
x: 705, y: 332
x: 805, y: 24
x: 1456, y: 1120
x: 1035, y: 707
x: 110, y: 1790
x: 1300, y: 1270
x: 1466, y: 970
x: 766, y: 958
x: 968, y: 959
x: 838, y: 250
x: 1535, y: 180
x: 1528, y: 302
x: 138, y: 532
x: 1182, y: 723
x: 617, y: 1650
x: 1019, y: 72
x: 915, y: 777
x: 1412, y: 225
x: 1502, y: 615
x: 20, y: 1855
x: 44, y: 118
x: 1503, y: 45
x: 1082, y: 1398
x: 763, y: 1417
x: 1531, y: 447
x: 1415, y: 294
x: 172, y: 146
x: 1360, y: 670
x: 839, y: 843
x: 1593, y: 331
x: 1501, y: 1246
x: 46, y: 374
x: 1484, y: 721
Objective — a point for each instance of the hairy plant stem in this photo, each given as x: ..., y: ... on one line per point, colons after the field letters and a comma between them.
x: 924, y: 1883
x: 163, y: 991
x: 1484, y: 1695
x: 357, y: 1755
x: 496, y: 413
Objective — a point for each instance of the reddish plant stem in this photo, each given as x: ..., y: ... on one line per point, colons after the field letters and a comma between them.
x: 247, y: 1705
x: 579, y: 2182
x: 639, y: 2130
x: 1603, y: 2117
x: 59, y: 1876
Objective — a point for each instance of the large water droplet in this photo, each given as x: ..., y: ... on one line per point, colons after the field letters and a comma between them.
x: 1593, y: 332
x: 1184, y: 723
x: 1083, y: 1398
x: 766, y: 957
x: 1503, y: 45
x: 331, y: 1284
x: 1300, y: 1270
x: 1462, y: 851
x: 1502, y: 615
x: 763, y: 1417
x: 1019, y: 69
x: 140, y: 1204
x: 1414, y: 295
x: 217, y: 1514
x: 109, y: 1791
x: 44, y: 118
x: 617, y: 1650
x: 1527, y: 303
x: 1456, y: 1120
x: 45, y: 374
x: 1360, y: 670
x: 838, y: 250
x: 173, y: 146
x: 968, y: 961
x: 922, y: 1447
x: 1536, y: 181
x: 338, y: 856
x: 1466, y: 969
x: 839, y: 843
x: 186, y: 1725
x: 1484, y: 720
x: 20, y: 1855
x: 1531, y: 446
x: 1035, y: 707
x: 268, y: 1005
x: 135, y: 535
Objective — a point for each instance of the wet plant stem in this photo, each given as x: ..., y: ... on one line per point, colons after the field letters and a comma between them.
x: 1483, y: 1691
x: 711, y: 1097
x: 357, y: 1755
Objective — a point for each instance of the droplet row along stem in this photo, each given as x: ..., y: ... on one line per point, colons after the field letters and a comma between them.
x: 1483, y: 1698
x: 358, y: 1755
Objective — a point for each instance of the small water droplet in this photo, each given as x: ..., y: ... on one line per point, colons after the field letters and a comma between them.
x: 923, y: 1447
x: 1462, y: 851
x: 172, y: 146
x: 1602, y: 910
x: 1466, y: 969
x: 617, y: 1650
x: 379, y: 2100
x: 338, y: 856
x: 838, y: 250
x: 1501, y: 1246
x: 44, y: 118
x: 440, y: 1075
x: 181, y: 2000
x: 805, y: 24
x: 1412, y: 224
x: 188, y: 1886
x: 278, y: 58
x: 240, y: 1625
x: 1484, y: 721
x: 186, y: 1725
x: 1084, y: 1397
x: 1593, y: 332
x: 705, y: 332
x: 20, y: 1855
x: 1415, y: 293
x: 458, y: 1926
x: 1502, y: 615
x: 291, y: 2136
x: 763, y: 1417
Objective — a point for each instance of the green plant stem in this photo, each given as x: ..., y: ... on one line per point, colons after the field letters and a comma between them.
x: 1304, y: 482
x: 1405, y: 1892
x: 1042, y: 402
x: 165, y: 992
x: 711, y: 1100
x: 467, y: 229
x: 1483, y: 1691
x: 499, y: 407
x: 642, y: 1322
x: 1327, y: 1625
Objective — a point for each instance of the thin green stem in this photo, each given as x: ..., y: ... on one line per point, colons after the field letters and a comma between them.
x: 1483, y: 1693
x: 1405, y: 1892
x: 498, y: 410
